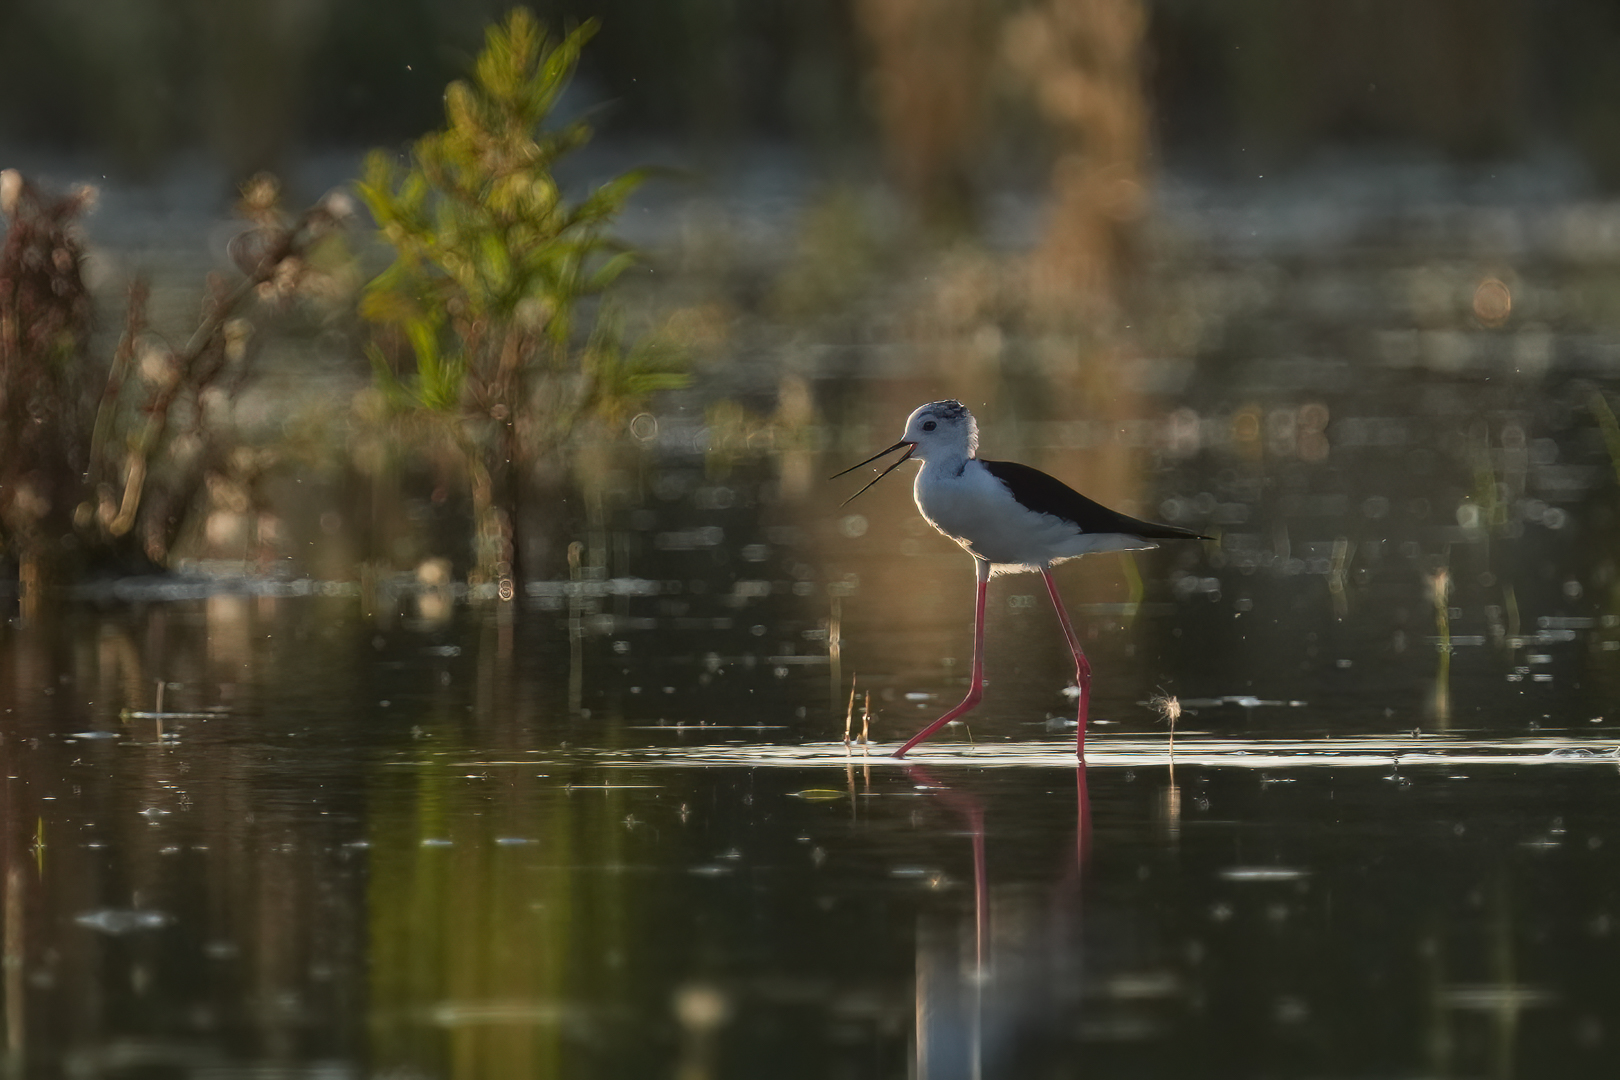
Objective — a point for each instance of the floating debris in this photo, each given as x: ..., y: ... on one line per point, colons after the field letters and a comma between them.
x: 709, y: 870
x: 1262, y: 873
x: 1130, y: 751
x: 134, y: 714
x: 118, y: 921
x: 1490, y: 998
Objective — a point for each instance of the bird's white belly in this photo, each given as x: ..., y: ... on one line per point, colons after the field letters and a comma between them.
x: 979, y: 513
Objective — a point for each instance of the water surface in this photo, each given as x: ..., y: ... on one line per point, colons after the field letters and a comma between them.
x: 612, y: 829
x: 466, y: 878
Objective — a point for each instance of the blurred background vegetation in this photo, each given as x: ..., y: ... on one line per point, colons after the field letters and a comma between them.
x: 1231, y: 83
x: 983, y: 183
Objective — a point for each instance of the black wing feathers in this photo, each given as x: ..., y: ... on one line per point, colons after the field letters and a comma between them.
x: 1049, y: 495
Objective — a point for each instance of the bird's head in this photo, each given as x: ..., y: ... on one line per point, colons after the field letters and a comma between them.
x: 940, y: 429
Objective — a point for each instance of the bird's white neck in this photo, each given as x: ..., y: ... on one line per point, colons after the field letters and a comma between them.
x: 945, y: 463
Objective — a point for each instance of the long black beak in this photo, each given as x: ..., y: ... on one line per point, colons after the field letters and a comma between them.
x: 911, y: 448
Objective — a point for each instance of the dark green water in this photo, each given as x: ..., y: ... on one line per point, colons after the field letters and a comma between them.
x: 609, y: 830
x: 399, y: 852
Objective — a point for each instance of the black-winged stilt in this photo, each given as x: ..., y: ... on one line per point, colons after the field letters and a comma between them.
x: 1010, y: 518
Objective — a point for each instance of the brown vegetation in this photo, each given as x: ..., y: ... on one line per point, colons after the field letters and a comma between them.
x: 99, y: 469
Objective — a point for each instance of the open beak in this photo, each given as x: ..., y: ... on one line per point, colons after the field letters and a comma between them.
x: 910, y: 449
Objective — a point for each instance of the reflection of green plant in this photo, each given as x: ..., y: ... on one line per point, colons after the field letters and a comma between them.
x: 491, y: 267
x: 489, y: 936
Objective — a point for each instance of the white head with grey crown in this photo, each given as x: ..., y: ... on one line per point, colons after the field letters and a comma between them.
x: 939, y: 431
x: 942, y: 429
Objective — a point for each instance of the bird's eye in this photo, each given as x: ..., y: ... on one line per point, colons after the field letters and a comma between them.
x: 930, y: 426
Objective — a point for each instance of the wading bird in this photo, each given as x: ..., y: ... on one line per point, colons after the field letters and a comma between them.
x: 1010, y: 518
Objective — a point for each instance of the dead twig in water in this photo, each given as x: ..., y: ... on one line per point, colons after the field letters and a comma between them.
x: 849, y: 716
x: 1168, y: 706
x: 272, y: 256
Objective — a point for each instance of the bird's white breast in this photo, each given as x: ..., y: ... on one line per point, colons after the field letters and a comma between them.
x: 976, y: 510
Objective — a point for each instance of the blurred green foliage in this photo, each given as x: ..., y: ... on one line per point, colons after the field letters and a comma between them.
x: 483, y: 317
x: 254, y: 83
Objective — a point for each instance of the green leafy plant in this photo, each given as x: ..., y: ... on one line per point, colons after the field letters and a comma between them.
x: 483, y: 328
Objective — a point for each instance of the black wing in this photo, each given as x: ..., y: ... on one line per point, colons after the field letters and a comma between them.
x: 1049, y: 495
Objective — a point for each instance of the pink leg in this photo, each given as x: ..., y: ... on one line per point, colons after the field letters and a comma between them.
x: 1082, y: 667
x: 976, y: 691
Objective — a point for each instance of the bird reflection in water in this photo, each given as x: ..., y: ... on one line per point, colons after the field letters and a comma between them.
x: 971, y: 1013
